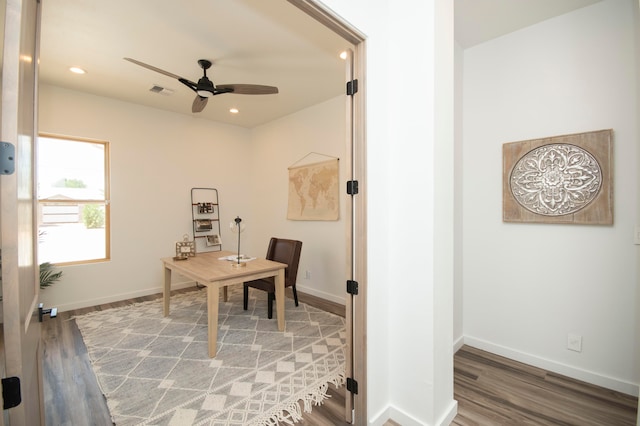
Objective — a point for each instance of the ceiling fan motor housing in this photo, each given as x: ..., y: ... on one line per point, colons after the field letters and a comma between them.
x: 205, y: 87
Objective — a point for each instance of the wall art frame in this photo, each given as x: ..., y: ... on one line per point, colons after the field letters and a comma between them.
x: 203, y: 225
x: 565, y: 179
x: 185, y: 248
x: 213, y: 240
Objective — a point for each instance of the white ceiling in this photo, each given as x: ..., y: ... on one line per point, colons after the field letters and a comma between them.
x: 477, y: 21
x: 249, y: 41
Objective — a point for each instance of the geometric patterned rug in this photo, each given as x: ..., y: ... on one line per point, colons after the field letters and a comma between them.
x: 156, y: 371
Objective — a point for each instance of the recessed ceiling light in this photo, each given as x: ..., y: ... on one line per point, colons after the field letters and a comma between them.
x: 77, y: 70
x: 234, y: 110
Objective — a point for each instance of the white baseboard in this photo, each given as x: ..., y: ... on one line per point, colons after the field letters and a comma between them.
x: 556, y: 367
x: 380, y: 418
x: 449, y: 415
x: 399, y: 416
x: 403, y: 418
x: 175, y: 286
x: 121, y: 296
x: 320, y: 294
x: 457, y: 344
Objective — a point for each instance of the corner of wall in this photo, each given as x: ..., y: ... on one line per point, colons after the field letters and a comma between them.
x: 392, y: 413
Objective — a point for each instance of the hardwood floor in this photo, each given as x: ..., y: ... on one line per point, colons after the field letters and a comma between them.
x: 490, y: 390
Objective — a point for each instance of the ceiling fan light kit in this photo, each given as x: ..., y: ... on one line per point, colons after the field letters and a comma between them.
x: 205, y: 88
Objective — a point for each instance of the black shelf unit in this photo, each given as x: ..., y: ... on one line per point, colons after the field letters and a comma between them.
x: 205, y: 216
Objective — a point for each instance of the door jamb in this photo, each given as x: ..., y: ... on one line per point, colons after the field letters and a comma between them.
x: 357, y: 231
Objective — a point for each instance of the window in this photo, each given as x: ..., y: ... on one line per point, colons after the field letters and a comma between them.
x: 73, y: 200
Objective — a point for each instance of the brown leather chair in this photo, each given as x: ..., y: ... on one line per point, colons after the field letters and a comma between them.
x: 283, y: 251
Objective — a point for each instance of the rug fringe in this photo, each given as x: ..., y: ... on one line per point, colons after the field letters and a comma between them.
x: 291, y: 413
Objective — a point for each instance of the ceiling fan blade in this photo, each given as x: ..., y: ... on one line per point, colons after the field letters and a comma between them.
x: 248, y: 89
x: 152, y: 68
x: 199, y: 103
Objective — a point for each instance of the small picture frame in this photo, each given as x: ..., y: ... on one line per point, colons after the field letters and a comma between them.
x: 203, y: 225
x: 205, y: 208
x: 185, y: 248
x: 213, y: 240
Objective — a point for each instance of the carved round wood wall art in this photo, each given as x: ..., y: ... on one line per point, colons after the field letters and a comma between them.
x: 555, y: 180
x: 566, y: 179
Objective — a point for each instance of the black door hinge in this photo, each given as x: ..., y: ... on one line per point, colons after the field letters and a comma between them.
x: 11, y: 392
x: 352, y: 386
x: 53, y: 312
x: 352, y: 187
x: 352, y: 87
x: 352, y: 287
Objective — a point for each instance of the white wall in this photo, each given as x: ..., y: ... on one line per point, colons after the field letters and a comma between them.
x: 409, y: 301
x: 527, y: 285
x: 311, y: 135
x: 636, y: 17
x: 157, y: 157
x: 458, y: 317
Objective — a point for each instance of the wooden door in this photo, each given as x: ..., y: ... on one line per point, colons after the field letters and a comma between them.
x: 18, y: 237
x: 356, y: 304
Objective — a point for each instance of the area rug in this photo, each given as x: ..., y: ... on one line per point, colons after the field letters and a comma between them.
x: 156, y: 371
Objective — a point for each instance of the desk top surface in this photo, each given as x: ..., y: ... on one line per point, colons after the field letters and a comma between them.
x: 207, y: 266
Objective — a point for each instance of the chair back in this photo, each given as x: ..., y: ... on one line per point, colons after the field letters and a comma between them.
x: 286, y: 251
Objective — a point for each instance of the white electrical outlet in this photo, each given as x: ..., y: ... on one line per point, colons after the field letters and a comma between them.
x: 574, y: 342
x: 636, y: 235
x: 307, y: 275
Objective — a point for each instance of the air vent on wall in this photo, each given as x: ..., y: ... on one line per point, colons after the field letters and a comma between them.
x: 162, y: 90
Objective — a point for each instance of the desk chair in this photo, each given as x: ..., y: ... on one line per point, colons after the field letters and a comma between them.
x: 283, y: 251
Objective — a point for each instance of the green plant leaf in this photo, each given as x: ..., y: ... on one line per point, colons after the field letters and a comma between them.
x: 48, y: 275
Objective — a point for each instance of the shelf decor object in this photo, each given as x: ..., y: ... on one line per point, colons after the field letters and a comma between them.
x: 213, y: 240
x: 205, y: 216
x: 562, y: 179
x: 185, y: 248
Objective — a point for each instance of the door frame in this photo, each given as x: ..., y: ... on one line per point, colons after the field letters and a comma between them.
x: 356, y: 306
x: 21, y: 345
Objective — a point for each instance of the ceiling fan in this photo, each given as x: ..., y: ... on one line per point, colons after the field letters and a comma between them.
x: 205, y: 88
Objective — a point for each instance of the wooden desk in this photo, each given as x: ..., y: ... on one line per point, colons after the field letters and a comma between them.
x: 207, y: 270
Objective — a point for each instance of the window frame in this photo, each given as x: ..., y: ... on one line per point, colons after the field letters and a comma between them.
x: 66, y: 202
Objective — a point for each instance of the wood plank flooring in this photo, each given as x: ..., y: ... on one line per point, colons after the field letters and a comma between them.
x: 490, y: 390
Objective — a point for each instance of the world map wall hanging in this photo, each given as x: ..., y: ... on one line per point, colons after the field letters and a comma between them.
x: 313, y: 191
x: 560, y: 179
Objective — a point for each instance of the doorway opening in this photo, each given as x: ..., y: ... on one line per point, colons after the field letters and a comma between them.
x: 356, y: 309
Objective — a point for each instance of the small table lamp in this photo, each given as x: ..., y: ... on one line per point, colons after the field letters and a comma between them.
x: 237, y: 228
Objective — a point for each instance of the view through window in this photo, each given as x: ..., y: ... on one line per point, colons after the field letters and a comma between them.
x: 73, y: 200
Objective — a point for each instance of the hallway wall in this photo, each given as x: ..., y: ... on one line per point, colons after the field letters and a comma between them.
x: 526, y: 286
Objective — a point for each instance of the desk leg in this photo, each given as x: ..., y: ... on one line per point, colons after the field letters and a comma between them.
x: 224, y: 293
x: 280, y: 299
x: 166, y: 291
x: 213, y: 296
